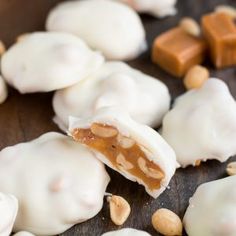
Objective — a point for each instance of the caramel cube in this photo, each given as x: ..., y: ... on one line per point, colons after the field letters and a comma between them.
x: 220, y: 33
x: 176, y: 51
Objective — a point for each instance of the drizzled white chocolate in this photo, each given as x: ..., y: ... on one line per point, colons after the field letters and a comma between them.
x: 111, y: 27
x: 202, y: 124
x: 126, y: 232
x: 145, y: 98
x: 150, y: 160
x: 158, y: 8
x: 58, y: 183
x: 212, y: 209
x: 8, y: 212
x: 46, y: 61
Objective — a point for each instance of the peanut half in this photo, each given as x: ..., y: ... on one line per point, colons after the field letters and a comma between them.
x: 123, y: 163
x: 195, y: 77
x: 228, y: 10
x: 231, y: 168
x: 190, y: 26
x: 103, y: 131
x: 167, y: 222
x: 125, y: 142
x: 119, y: 209
x: 2, y: 48
x: 150, y: 172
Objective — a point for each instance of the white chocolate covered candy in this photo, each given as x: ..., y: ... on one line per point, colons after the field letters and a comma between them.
x: 51, y: 177
x: 46, y: 61
x: 212, y: 209
x: 23, y: 233
x: 158, y: 8
x: 145, y: 98
x: 202, y: 124
x: 134, y: 150
x: 127, y: 232
x: 111, y: 27
x: 8, y: 212
x: 3, y: 90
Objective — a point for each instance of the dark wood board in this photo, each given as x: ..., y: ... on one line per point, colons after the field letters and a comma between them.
x: 25, y: 117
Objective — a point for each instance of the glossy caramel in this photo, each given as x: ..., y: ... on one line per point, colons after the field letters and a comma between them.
x: 176, y: 51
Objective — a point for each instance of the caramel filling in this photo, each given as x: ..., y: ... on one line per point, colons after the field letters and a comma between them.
x: 124, y: 153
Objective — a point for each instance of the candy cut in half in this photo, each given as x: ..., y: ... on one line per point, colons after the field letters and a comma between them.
x: 134, y: 150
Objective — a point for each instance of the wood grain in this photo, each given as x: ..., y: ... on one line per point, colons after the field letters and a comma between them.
x: 24, y: 117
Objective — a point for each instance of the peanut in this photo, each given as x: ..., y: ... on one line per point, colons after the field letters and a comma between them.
x: 21, y: 37
x: 119, y: 209
x: 190, y: 26
x: 195, y: 77
x: 231, y: 168
x: 103, y: 131
x: 2, y: 48
x: 123, y: 163
x: 125, y: 142
x: 167, y: 222
x: 150, y: 172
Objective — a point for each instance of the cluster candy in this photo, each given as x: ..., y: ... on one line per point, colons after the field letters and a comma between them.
x: 111, y: 27
x: 114, y: 84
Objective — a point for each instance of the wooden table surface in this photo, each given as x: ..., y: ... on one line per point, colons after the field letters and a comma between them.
x: 25, y: 117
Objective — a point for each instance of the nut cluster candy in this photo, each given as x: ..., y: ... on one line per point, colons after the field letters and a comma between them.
x: 160, y: 8
x: 145, y: 98
x: 50, y: 178
x: 217, y: 200
x: 8, y: 212
x: 176, y: 58
x: 200, y: 127
x: 126, y: 232
x: 108, y: 26
x: 46, y: 61
x: 136, y: 151
x: 220, y: 32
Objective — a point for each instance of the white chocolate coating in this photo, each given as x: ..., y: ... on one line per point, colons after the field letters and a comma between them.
x: 111, y: 27
x: 126, y: 232
x: 155, y: 147
x: 23, y: 233
x: 46, y: 61
x: 8, y: 212
x: 3, y: 90
x: 52, y: 180
x: 212, y: 209
x: 145, y: 98
x: 158, y: 8
x: 202, y: 124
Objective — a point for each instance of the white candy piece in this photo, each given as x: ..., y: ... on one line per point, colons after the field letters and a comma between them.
x: 23, y: 233
x: 153, y: 146
x: 126, y: 232
x: 3, y: 90
x: 46, y: 61
x: 8, y: 212
x: 202, y: 124
x: 111, y: 27
x: 212, y: 209
x: 145, y: 98
x: 51, y: 177
x: 158, y: 8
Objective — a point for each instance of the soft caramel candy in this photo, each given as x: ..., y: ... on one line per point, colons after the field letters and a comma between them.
x: 134, y: 150
x: 176, y: 51
x: 220, y: 32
